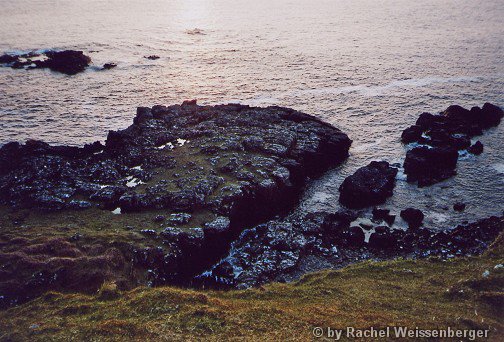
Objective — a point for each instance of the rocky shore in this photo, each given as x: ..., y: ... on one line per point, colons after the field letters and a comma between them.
x: 203, y: 196
x: 191, y: 177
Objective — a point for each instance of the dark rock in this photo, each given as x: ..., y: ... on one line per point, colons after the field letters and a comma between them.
x: 354, y: 236
x: 368, y: 186
x: 382, y: 238
x: 383, y: 214
x: 413, y: 217
x: 68, y: 62
x: 411, y: 134
x: 459, y: 206
x: 476, y: 149
x: 430, y: 165
x: 76, y: 204
x: 260, y: 177
x: 152, y: 57
x: 108, y: 66
x: 448, y: 132
x: 7, y: 59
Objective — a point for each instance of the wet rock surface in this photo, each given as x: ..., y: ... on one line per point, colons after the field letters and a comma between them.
x: 441, y: 137
x: 369, y: 185
x: 68, y: 62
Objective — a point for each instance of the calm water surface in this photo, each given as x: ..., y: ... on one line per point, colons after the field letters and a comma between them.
x: 369, y: 67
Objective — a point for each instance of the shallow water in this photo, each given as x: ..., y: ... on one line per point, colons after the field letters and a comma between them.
x: 369, y: 67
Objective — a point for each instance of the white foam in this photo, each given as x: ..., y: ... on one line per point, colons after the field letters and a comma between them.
x: 168, y: 144
x: 499, y: 167
x: 116, y: 211
x: 133, y: 182
x: 181, y: 142
x: 439, y: 217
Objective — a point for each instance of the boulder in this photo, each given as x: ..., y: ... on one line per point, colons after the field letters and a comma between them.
x: 384, y: 215
x: 411, y: 134
x: 413, y: 217
x: 382, y: 238
x: 369, y: 185
x: 430, y: 165
x: 69, y: 62
x: 476, y: 148
x: 443, y: 135
x: 108, y: 66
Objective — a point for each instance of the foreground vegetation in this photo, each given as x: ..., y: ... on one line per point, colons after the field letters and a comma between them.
x: 465, y: 293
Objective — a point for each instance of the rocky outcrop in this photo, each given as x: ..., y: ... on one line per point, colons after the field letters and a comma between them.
x: 429, y: 165
x: 369, y: 185
x: 284, y: 251
x: 69, y: 62
x: 442, y: 136
x: 228, y: 159
x: 194, y: 176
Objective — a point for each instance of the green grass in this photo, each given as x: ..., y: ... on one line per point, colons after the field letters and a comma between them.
x: 415, y: 293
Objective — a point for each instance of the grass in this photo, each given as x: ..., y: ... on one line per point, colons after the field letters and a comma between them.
x: 416, y: 293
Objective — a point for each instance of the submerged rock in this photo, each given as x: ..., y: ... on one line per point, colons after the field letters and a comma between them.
x: 369, y: 185
x: 108, y: 66
x: 459, y: 206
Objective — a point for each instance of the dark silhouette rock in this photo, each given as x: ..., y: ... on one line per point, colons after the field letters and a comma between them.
x: 383, y: 214
x: 382, y: 238
x: 354, y: 236
x: 476, y: 149
x: 369, y: 185
x: 413, y: 217
x: 7, y: 59
x: 459, y: 206
x: 152, y: 57
x: 430, y: 165
x: 448, y: 132
x: 411, y: 134
x: 108, y: 66
x: 69, y: 62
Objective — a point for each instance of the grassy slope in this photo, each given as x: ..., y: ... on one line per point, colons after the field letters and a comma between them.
x: 427, y: 293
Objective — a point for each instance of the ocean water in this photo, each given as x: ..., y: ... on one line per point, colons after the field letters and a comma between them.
x: 370, y: 67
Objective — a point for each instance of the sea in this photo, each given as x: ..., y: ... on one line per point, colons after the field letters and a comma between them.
x: 369, y: 67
